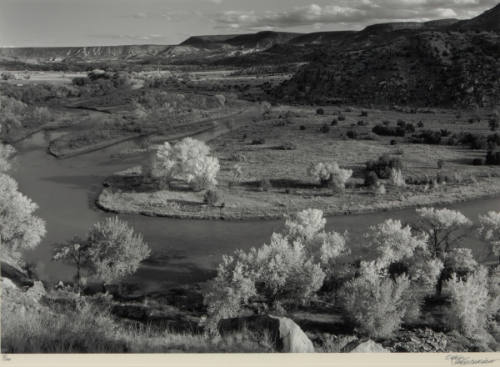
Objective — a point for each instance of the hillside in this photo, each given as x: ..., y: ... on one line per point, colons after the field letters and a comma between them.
x: 426, y: 68
x: 488, y: 21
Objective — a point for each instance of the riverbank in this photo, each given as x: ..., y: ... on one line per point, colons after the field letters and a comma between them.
x: 251, y: 204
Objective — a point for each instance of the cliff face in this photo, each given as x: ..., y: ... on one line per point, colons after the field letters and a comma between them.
x: 81, y: 53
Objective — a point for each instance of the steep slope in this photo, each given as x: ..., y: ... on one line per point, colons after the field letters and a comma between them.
x: 488, y: 21
x: 424, y: 68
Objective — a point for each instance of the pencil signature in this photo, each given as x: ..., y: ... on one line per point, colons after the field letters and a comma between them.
x: 462, y: 360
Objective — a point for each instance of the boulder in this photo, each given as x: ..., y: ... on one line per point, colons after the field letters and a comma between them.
x: 367, y: 346
x: 284, y: 333
x: 7, y: 283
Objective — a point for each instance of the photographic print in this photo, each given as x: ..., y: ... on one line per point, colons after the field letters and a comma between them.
x: 226, y: 176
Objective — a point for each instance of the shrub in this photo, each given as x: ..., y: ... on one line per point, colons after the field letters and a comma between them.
x: 389, y: 130
x: 493, y: 158
x: 302, y: 127
x: 440, y: 164
x: 429, y: 137
x: 364, y: 113
x: 384, y: 165
x: 211, y: 197
x: 320, y: 111
x: 265, y: 184
x: 334, y: 122
x: 420, y: 125
x: 341, y: 117
x: 490, y: 231
x: 279, y: 272
x: 6, y: 75
x: 115, y: 250
x: 330, y: 174
x: 288, y: 146
x: 397, y: 178
x: 493, y: 124
x: 393, y: 242
x: 20, y: 229
x: 376, y: 304
x: 258, y: 141
x: 478, y: 162
x: 352, y: 134
x: 371, y: 179
x: 324, y: 129
x: 468, y: 311
x: 393, y: 142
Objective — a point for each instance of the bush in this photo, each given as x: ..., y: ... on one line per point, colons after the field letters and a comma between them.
x: 429, y: 137
x: 389, y: 130
x: 265, y: 184
x: 325, y: 129
x: 115, y: 250
x: 440, y: 164
x: 376, y: 304
x: 334, y: 122
x: 352, y: 134
x: 371, y: 179
x: 341, y: 118
x: 393, y: 142
x: 364, y: 113
x: 468, y: 311
x: 493, y: 124
x: 478, y: 162
x: 383, y: 166
x: 330, y: 174
x: 493, y: 158
x: 420, y: 125
x: 288, y: 146
x: 302, y: 127
x: 320, y: 111
x: 211, y: 197
x: 258, y: 141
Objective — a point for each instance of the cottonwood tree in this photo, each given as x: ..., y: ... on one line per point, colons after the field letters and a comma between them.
x: 330, y: 174
x: 115, y: 250
x: 468, y: 311
x: 402, y: 262
x: 74, y: 252
x: 189, y: 160
x: 490, y: 231
x: 376, y: 304
x: 393, y: 242
x: 291, y: 268
x: 445, y: 229
x: 20, y: 229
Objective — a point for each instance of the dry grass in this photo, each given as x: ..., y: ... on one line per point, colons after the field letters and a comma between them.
x: 291, y: 188
x: 28, y: 327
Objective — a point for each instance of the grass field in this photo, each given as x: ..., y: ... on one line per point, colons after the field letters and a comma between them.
x: 257, y: 148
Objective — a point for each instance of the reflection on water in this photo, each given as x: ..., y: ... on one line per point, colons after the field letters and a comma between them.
x: 184, y: 251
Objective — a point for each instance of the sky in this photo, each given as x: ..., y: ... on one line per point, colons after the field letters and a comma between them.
x: 49, y: 23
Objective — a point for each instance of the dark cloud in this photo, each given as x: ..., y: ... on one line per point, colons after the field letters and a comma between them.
x: 352, y: 14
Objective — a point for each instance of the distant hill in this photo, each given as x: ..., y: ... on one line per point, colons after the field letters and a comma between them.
x: 441, y: 62
x: 488, y: 21
x: 438, y: 63
x: 48, y: 54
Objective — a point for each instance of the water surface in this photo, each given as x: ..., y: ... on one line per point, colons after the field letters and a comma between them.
x: 184, y: 251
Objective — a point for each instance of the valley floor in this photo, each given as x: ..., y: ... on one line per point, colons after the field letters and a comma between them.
x: 280, y: 148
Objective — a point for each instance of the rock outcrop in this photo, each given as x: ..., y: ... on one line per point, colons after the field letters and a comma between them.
x: 283, y: 332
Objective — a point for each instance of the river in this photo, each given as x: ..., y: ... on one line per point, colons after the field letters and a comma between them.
x: 183, y: 251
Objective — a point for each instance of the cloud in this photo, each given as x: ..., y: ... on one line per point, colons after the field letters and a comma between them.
x: 351, y: 14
